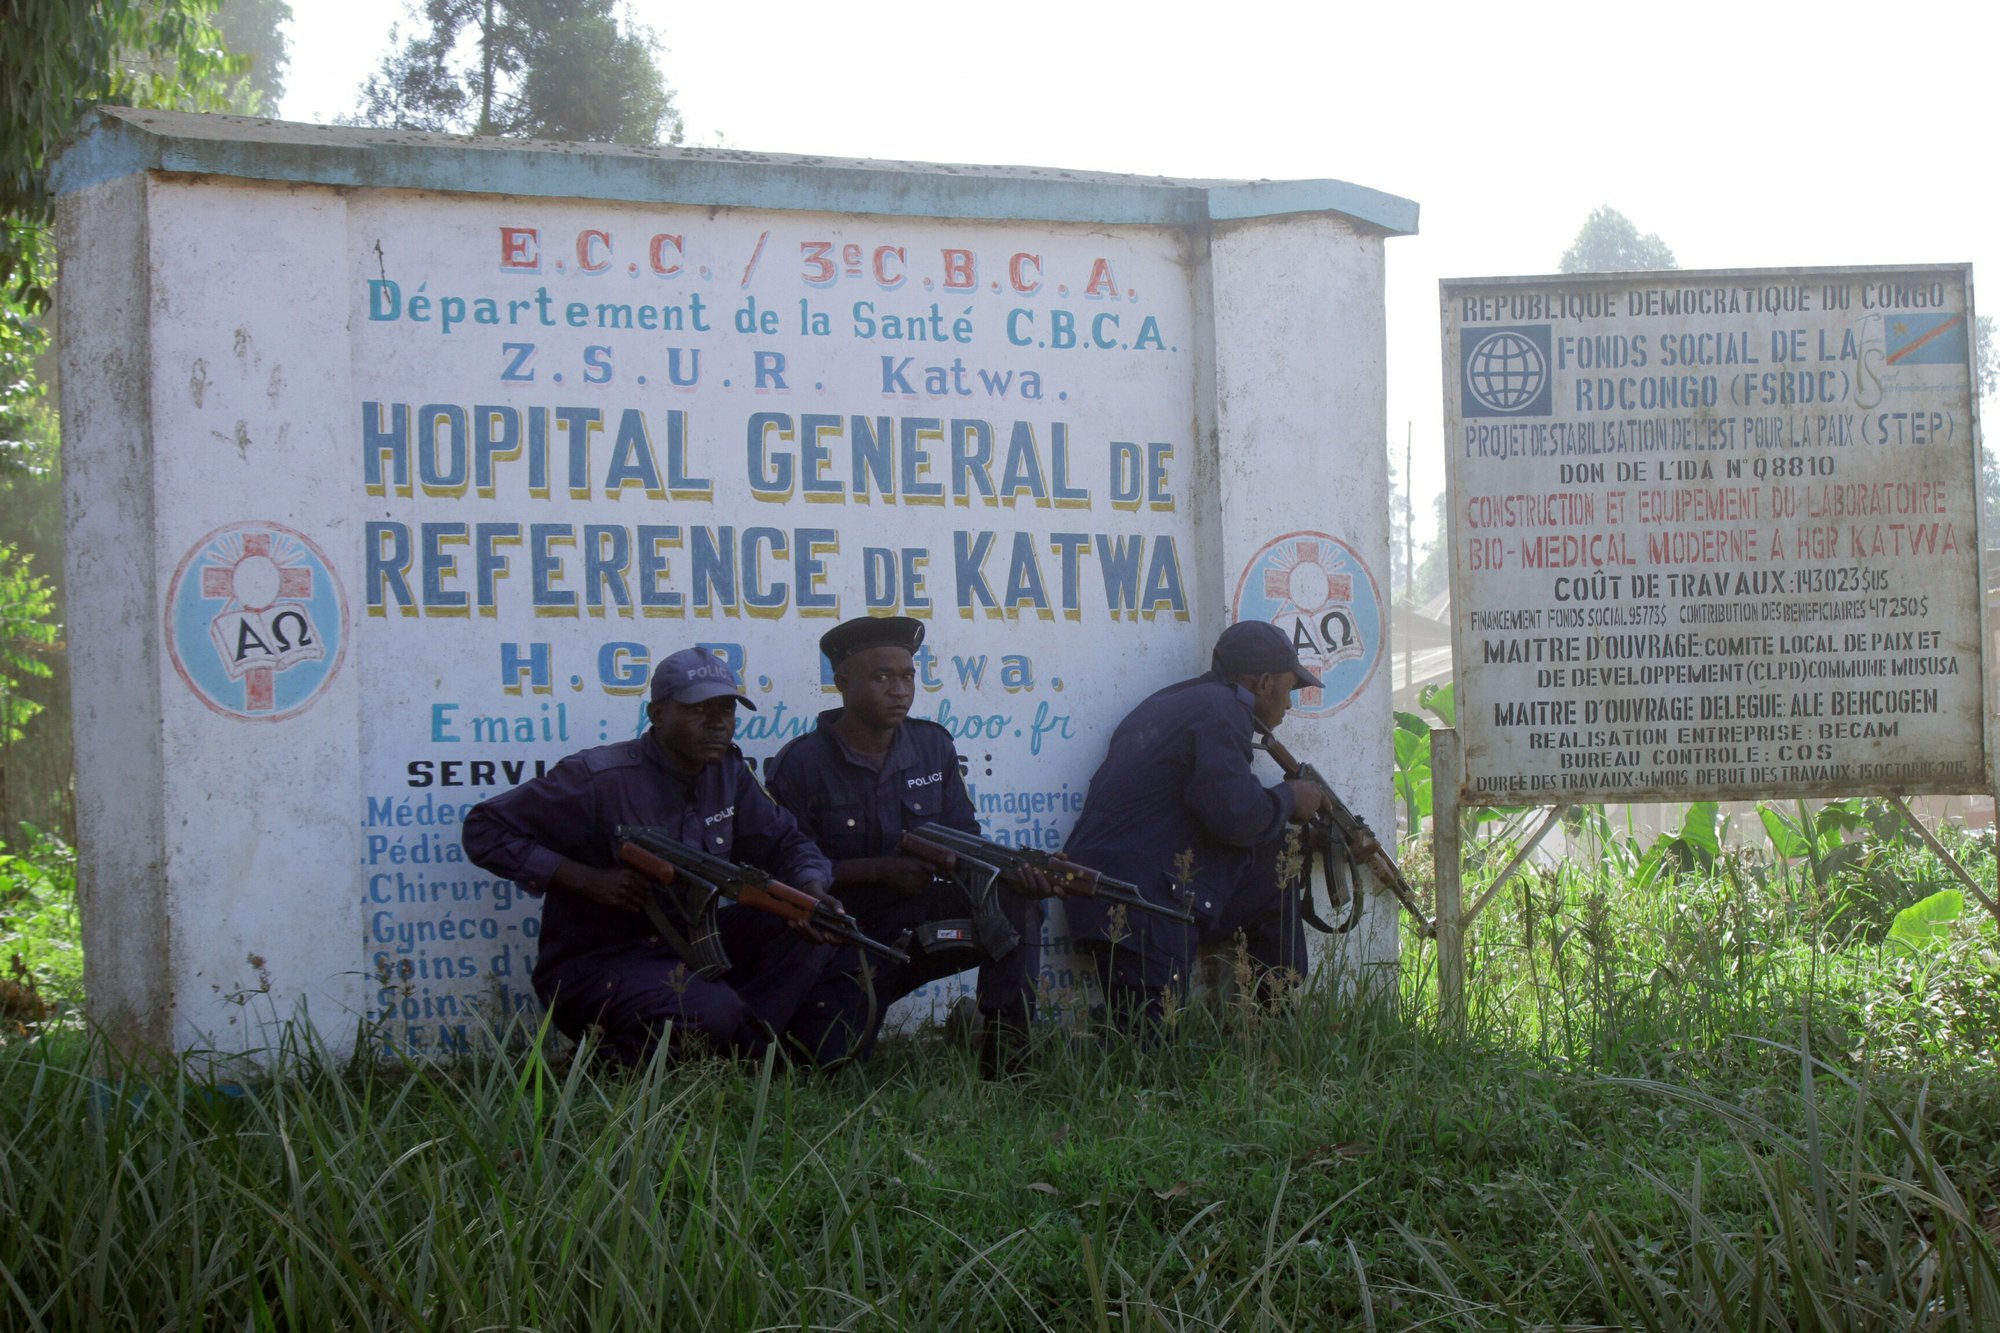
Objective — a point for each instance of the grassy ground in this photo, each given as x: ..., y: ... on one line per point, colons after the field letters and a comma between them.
x: 1722, y: 1103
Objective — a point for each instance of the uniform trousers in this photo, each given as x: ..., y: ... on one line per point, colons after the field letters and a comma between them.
x: 1157, y: 957
x: 780, y: 987
x: 1006, y: 986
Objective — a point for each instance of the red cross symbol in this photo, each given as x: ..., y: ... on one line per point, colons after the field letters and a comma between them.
x: 256, y: 581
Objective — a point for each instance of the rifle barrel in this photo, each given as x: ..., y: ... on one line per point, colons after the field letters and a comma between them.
x: 1008, y: 861
x: 1132, y: 898
x: 754, y: 888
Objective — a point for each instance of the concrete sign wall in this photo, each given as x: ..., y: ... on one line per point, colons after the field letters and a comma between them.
x: 1715, y: 535
x: 396, y: 463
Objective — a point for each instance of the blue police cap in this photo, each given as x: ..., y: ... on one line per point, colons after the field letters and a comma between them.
x: 1255, y: 647
x: 695, y: 675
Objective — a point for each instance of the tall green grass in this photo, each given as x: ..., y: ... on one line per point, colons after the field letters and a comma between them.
x: 1694, y: 1107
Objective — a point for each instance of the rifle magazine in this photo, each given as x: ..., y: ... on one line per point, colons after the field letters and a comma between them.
x: 699, y: 947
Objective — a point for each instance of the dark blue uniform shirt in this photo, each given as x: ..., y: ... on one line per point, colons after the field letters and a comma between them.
x: 573, y: 812
x: 853, y: 810
x: 1177, y: 784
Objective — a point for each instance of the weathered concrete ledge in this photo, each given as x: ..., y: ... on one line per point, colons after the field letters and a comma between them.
x: 114, y: 141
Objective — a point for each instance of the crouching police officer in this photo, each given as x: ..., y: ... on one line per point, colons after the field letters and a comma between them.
x: 1175, y: 809
x: 871, y: 771
x: 601, y: 965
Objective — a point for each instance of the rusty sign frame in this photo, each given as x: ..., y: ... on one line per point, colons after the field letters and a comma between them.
x: 1452, y: 785
x: 1830, y: 763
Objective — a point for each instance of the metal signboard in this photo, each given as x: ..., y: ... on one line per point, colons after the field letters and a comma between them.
x: 1715, y: 535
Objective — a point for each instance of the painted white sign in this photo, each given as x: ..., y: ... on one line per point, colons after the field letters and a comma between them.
x: 1715, y: 535
x: 588, y: 435
x: 429, y: 481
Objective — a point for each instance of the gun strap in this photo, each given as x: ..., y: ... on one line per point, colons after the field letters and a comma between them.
x: 679, y: 942
x: 1307, y: 909
x: 1353, y: 880
x: 1310, y: 911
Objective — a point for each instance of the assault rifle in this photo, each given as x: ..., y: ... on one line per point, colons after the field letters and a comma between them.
x: 697, y: 880
x: 947, y: 849
x: 1341, y: 837
x: 987, y: 930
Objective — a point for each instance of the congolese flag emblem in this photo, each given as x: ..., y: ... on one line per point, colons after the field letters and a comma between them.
x: 1926, y: 339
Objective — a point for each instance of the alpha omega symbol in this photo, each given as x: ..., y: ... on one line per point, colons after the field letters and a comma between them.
x: 256, y: 621
x: 1318, y: 591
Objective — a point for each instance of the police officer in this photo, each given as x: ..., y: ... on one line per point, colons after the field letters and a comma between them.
x: 867, y: 773
x: 600, y: 963
x: 1175, y: 808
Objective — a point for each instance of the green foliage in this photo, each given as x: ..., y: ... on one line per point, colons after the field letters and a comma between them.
x: 1413, y: 753
x: 1413, y: 770
x: 1609, y: 243
x: 38, y: 920
x: 35, y: 757
x: 27, y: 420
x: 1862, y: 859
x: 1336, y: 1165
x: 1672, y: 1110
x: 1834, y: 839
x: 1412, y: 779
x: 1836, y: 1252
x: 1927, y: 924
x: 1811, y: 837
x: 59, y: 58
x: 1695, y: 846
x: 27, y: 629
x: 547, y: 69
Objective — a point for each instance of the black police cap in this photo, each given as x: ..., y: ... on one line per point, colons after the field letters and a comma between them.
x: 852, y: 636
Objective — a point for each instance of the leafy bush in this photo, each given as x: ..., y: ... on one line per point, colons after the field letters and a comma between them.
x: 27, y: 626
x: 38, y: 928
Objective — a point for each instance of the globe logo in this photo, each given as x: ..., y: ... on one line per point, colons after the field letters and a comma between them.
x: 1506, y: 372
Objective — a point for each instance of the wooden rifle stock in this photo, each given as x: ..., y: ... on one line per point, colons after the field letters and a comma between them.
x: 645, y: 848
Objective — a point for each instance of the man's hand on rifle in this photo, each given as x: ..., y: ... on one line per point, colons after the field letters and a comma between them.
x: 620, y: 886
x: 806, y: 927
x: 1310, y: 796
x: 1032, y: 882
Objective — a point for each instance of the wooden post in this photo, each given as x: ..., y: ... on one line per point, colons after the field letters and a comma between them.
x: 1447, y: 773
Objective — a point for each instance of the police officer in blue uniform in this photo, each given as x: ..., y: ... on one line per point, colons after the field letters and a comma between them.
x: 600, y: 962
x: 1175, y: 808
x: 866, y: 774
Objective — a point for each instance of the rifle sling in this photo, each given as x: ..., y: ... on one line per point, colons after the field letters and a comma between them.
x: 1307, y: 909
x: 675, y: 940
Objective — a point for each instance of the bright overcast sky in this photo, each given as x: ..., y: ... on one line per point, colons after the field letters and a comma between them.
x: 1747, y: 134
